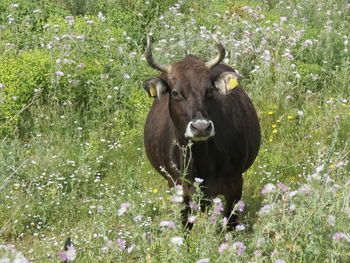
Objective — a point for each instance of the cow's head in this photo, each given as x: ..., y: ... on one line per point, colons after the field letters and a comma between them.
x: 191, y: 89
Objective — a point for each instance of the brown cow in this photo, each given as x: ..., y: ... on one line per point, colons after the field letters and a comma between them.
x: 202, y: 101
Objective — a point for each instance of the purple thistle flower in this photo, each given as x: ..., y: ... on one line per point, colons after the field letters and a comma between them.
x: 223, y: 247
x: 131, y: 248
x: 283, y: 187
x: 241, y: 205
x: 68, y: 255
x: 240, y: 248
x: 339, y: 235
x: 123, y: 208
x: 59, y: 74
x: 265, y: 209
x: 193, y: 206
x: 305, y: 189
x: 169, y: 224
x: 121, y: 243
x: 191, y: 219
x: 268, y: 188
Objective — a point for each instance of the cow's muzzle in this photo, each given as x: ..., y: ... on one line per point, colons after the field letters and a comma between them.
x: 200, y: 130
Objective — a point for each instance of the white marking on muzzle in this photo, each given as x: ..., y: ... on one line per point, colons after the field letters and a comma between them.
x: 189, y: 133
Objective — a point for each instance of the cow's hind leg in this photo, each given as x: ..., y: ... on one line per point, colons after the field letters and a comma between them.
x: 232, y: 196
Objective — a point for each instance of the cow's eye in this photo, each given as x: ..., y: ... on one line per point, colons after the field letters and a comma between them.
x: 175, y: 94
x: 210, y: 92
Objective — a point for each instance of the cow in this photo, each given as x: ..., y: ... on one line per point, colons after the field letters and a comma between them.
x: 202, y: 102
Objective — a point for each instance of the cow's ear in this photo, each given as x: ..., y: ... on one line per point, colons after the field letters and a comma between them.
x: 155, y: 87
x: 227, y: 81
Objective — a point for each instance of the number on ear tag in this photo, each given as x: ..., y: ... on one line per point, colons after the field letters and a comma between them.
x: 232, y: 83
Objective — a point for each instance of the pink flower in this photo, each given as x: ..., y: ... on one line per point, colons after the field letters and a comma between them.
x: 240, y: 205
x: 203, y: 260
x: 240, y: 248
x: 123, y: 208
x: 121, y: 243
x: 169, y: 224
x: 268, y: 188
x: 283, y: 187
x: 68, y: 255
x: 265, y: 209
x: 339, y: 235
x: 59, y: 74
x: 223, y: 247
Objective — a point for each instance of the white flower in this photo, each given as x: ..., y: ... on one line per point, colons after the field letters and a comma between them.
x: 177, y: 241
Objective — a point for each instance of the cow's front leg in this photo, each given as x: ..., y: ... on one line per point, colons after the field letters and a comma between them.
x: 232, y: 196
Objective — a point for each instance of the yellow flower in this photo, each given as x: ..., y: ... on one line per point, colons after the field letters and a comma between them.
x: 168, y: 198
x: 155, y: 190
x: 278, y: 121
x: 293, y: 178
x: 274, y: 125
x: 290, y: 117
x: 331, y: 166
x: 270, y: 112
x: 275, y: 131
x: 270, y: 139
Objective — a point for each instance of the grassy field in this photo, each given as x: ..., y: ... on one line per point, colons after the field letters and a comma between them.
x: 72, y: 162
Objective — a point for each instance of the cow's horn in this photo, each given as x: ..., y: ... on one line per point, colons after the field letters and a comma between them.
x: 150, y: 60
x: 213, y: 62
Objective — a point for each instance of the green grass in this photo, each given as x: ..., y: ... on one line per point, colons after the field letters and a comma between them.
x: 71, y: 146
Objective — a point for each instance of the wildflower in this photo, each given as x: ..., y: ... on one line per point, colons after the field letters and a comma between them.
x: 239, y: 247
x: 193, y: 206
x: 90, y: 22
x: 137, y: 218
x: 123, y: 208
x: 274, y: 131
x: 2, y: 86
x: 223, y: 247
x: 37, y: 11
x: 178, y: 241
x: 59, y: 74
x: 260, y: 242
x: 290, y: 117
x: 155, y: 190
x: 126, y: 76
x: 270, y: 112
x: 283, y: 187
x: 68, y: 255
x: 203, y: 260
x: 283, y: 19
x: 240, y: 204
x: 176, y: 198
x: 279, y: 261
x: 121, y: 243
x: 191, y: 219
x: 308, y: 43
x: 14, y: 6
x: 240, y: 227
x: 268, y: 188
x: 305, y: 189
x: 331, y: 220
x: 131, y: 248
x: 339, y: 235
x: 265, y: 209
x: 198, y: 180
x: 169, y: 224
x: 266, y: 55
x: 101, y: 17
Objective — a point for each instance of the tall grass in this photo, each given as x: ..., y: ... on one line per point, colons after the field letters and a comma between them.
x: 72, y: 161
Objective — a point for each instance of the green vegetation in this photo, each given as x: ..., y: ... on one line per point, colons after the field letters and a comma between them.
x: 72, y: 161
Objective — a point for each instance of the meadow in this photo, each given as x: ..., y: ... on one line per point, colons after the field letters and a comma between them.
x: 72, y: 110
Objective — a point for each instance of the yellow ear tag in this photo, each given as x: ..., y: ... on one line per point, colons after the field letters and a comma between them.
x: 232, y: 83
x: 152, y: 91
